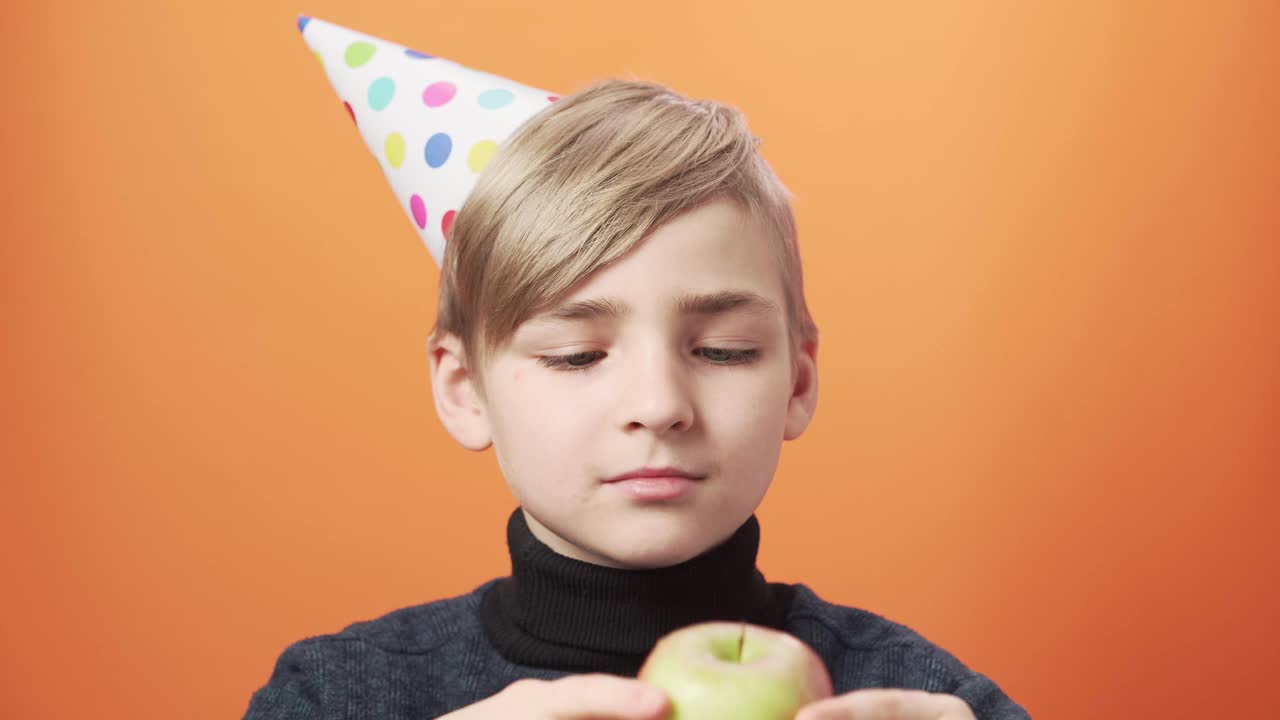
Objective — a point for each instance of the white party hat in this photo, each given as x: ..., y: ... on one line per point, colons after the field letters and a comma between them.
x: 431, y: 123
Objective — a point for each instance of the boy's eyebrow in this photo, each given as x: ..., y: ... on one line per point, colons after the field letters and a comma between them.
x: 706, y: 304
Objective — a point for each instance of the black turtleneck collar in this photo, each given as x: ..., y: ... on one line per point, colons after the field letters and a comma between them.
x: 560, y: 613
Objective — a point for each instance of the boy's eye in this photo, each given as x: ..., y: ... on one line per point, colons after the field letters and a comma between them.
x: 576, y: 361
x: 585, y: 360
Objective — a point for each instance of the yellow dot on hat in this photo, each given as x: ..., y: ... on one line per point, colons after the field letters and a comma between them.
x: 394, y: 147
x: 359, y: 53
x: 480, y: 155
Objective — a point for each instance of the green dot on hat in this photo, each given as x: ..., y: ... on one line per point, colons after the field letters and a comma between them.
x: 359, y: 53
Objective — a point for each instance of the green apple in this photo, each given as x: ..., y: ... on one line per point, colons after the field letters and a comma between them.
x: 735, y: 671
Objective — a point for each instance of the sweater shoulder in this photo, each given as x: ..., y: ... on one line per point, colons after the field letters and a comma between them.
x: 851, y: 627
x: 862, y: 649
x: 316, y: 674
x: 416, y: 629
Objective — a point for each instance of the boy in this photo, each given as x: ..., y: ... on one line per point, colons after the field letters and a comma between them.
x: 621, y: 294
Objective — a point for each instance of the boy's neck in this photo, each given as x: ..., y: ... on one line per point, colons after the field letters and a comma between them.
x: 558, y: 612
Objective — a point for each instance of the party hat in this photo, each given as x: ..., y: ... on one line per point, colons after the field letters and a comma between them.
x: 431, y: 123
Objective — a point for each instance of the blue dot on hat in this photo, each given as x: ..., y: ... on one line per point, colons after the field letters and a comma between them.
x: 380, y: 92
x: 439, y: 146
x: 417, y: 55
x: 494, y: 99
x: 302, y: 23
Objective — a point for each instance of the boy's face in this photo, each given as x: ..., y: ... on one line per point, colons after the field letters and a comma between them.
x: 709, y: 392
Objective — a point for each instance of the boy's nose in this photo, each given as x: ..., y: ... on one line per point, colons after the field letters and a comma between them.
x: 657, y: 395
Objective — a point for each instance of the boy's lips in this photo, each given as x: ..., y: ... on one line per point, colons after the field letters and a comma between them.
x: 663, y: 483
x: 655, y: 488
x: 658, y: 472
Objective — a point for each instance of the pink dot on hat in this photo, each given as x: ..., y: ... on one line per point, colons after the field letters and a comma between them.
x: 439, y: 93
x: 419, y: 210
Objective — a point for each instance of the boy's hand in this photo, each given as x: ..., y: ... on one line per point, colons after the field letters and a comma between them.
x: 888, y: 704
x: 577, y: 697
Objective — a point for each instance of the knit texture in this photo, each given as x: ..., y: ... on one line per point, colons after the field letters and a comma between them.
x: 555, y: 616
x: 563, y: 614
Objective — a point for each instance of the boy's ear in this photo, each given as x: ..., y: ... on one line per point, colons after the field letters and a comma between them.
x: 458, y: 403
x: 804, y: 391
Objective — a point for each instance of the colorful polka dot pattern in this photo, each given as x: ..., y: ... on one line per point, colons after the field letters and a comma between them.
x: 433, y: 124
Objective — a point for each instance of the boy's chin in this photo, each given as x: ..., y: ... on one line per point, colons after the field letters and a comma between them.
x: 641, y: 548
x: 652, y: 560
x: 636, y: 540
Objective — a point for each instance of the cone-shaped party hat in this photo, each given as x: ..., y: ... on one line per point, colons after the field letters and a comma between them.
x: 431, y: 123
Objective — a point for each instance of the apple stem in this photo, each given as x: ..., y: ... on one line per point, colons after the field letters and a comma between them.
x: 742, y: 638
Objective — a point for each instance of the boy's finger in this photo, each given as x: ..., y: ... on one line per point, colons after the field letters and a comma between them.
x: 579, y: 697
x: 887, y: 704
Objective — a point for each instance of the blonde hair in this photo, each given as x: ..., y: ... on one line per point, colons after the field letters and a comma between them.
x: 581, y: 183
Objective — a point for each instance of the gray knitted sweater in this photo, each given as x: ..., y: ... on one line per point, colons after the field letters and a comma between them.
x: 555, y: 616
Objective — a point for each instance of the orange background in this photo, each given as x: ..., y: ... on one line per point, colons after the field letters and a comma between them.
x: 1041, y: 245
